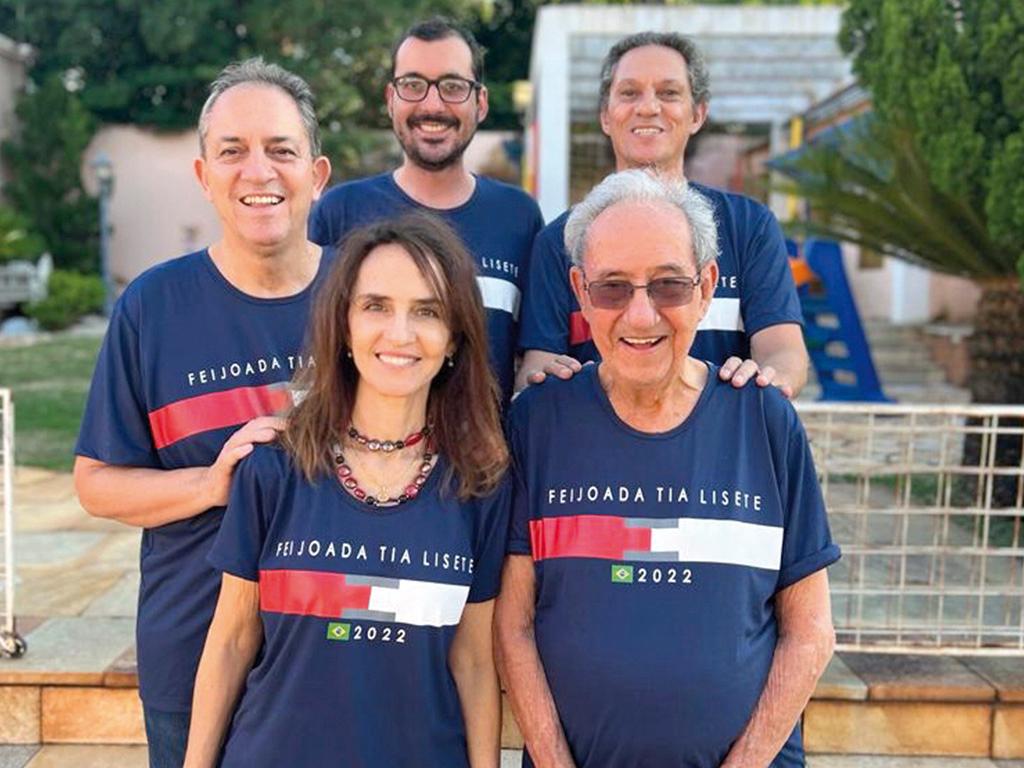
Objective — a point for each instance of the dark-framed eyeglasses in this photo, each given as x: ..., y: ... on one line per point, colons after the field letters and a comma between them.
x: 452, y: 89
x: 663, y: 292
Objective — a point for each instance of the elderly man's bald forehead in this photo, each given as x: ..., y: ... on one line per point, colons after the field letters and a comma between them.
x: 634, y: 224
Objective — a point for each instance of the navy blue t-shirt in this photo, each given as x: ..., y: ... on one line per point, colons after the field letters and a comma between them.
x: 755, y: 286
x: 187, y: 360
x: 657, y: 559
x: 359, y: 606
x: 497, y: 225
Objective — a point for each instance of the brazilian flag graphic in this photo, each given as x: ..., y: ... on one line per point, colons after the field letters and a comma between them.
x: 337, y: 630
x: 622, y: 574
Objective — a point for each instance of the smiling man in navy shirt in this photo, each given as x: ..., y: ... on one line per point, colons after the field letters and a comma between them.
x: 194, y: 369
x: 665, y: 600
x: 654, y: 96
x: 436, y: 99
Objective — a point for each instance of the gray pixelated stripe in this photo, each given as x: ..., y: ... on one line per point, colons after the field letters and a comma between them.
x: 358, y: 613
x: 652, y: 522
x: 659, y: 557
x: 372, y: 581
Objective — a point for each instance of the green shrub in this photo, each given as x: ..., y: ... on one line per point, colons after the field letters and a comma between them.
x: 17, y: 240
x: 70, y: 295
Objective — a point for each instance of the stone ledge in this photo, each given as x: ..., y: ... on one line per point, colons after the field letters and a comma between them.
x: 898, y: 728
x: 71, y: 716
x: 899, y: 677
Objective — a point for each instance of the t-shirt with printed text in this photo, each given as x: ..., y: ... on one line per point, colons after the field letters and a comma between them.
x: 657, y: 560
x: 359, y: 606
x: 187, y: 360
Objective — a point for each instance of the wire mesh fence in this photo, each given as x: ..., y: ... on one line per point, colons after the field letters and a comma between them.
x: 926, y: 502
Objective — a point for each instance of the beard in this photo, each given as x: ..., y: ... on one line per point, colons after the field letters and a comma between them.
x: 429, y: 160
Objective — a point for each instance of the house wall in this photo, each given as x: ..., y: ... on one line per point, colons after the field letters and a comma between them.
x: 12, y: 80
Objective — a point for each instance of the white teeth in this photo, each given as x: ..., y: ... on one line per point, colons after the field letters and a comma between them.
x: 396, y: 360
x: 646, y: 131
x: 641, y: 342
x: 433, y: 127
x: 262, y: 199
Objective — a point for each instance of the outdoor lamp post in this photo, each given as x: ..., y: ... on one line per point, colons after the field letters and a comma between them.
x: 104, y: 170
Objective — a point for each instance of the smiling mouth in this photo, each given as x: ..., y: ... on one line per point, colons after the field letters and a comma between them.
x: 647, y: 131
x: 399, y: 361
x: 259, y: 201
x: 641, y: 343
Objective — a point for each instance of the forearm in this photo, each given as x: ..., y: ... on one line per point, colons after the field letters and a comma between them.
x: 798, y: 662
x: 790, y: 367
x: 222, y: 671
x: 141, y: 496
x: 530, y: 697
x: 480, y: 700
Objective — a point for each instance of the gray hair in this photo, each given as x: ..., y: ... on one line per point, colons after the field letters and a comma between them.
x: 641, y: 186
x: 696, y: 65
x: 256, y: 71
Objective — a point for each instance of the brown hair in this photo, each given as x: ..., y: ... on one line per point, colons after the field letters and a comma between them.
x: 463, y: 402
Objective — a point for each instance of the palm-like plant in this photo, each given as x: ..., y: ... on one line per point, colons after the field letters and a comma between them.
x: 869, y: 185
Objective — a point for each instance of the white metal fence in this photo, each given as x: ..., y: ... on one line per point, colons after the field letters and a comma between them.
x: 10, y: 643
x: 926, y: 503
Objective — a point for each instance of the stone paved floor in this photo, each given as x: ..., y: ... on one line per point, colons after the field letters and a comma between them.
x: 76, y: 577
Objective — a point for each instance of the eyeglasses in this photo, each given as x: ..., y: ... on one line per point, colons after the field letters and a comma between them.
x: 451, y: 88
x: 663, y: 292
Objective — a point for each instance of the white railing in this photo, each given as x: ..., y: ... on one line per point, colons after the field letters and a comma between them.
x: 10, y: 643
x: 926, y: 503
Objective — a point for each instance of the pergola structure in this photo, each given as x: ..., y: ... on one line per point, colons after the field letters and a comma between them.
x: 767, y: 63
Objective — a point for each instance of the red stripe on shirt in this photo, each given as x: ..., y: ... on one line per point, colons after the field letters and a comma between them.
x: 579, y: 328
x: 310, y: 593
x: 600, y: 536
x: 193, y: 415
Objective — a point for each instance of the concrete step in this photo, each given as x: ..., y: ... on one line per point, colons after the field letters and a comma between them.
x: 864, y: 704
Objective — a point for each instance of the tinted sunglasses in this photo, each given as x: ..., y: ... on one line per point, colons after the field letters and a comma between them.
x: 663, y: 292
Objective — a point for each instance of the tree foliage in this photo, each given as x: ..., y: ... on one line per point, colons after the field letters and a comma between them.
x: 45, y: 184
x: 146, y: 63
x: 952, y: 72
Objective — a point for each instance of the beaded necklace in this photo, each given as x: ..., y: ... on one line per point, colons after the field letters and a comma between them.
x: 351, y: 484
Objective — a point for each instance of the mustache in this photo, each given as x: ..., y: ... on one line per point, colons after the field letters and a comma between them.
x: 443, y: 119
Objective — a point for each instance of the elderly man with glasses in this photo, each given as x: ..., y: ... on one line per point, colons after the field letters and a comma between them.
x: 436, y: 99
x: 664, y: 601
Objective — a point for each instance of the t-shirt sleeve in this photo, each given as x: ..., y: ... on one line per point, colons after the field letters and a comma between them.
x: 323, y: 224
x: 519, y: 519
x: 807, y: 544
x: 547, y: 299
x: 115, y: 426
x: 243, y: 530
x: 489, y: 550
x: 768, y: 292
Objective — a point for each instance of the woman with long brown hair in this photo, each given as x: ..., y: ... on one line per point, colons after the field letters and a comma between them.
x: 363, y: 553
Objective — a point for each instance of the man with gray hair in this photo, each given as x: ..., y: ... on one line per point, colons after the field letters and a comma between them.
x: 654, y: 96
x: 664, y: 600
x: 193, y: 372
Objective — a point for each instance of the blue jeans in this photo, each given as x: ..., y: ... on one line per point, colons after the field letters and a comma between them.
x: 167, y: 734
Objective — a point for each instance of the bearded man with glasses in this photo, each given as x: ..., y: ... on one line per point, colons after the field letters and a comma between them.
x: 436, y: 99
x: 664, y: 601
x: 654, y: 96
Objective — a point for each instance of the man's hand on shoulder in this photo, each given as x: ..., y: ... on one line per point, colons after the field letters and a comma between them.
x: 537, y: 365
x: 738, y: 372
x: 217, y: 480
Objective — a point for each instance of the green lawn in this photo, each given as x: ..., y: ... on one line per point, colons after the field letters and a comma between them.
x: 50, y: 381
